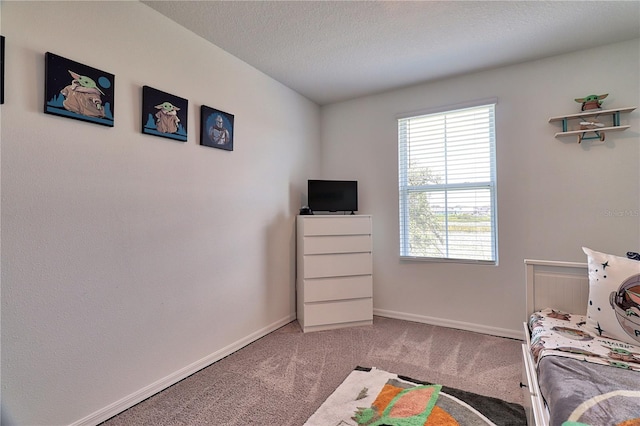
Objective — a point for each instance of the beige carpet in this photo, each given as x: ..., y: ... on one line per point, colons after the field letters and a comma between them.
x: 284, y: 377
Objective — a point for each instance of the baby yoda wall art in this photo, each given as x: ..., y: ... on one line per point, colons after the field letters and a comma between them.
x: 78, y: 91
x: 164, y: 114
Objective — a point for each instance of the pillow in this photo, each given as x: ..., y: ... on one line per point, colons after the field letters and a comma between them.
x: 614, y: 297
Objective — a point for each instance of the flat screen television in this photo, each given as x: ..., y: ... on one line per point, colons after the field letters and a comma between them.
x: 333, y: 195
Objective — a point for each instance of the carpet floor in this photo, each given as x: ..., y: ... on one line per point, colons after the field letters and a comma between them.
x: 282, y: 378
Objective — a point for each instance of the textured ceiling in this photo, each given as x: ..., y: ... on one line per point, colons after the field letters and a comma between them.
x: 331, y: 51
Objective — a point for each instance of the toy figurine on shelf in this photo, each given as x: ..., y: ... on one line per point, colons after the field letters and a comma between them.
x: 588, y: 124
x: 591, y: 102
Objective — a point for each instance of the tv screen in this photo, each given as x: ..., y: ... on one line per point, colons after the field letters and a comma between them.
x: 333, y: 195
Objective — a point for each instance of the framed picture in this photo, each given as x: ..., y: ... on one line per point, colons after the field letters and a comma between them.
x: 164, y: 114
x: 216, y: 128
x: 1, y: 69
x: 78, y: 91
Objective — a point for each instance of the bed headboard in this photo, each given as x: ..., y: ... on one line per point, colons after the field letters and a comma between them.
x: 558, y: 285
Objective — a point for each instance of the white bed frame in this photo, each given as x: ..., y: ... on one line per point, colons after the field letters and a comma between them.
x: 550, y: 284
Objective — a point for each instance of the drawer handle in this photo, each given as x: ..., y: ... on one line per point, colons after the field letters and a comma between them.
x: 522, y: 385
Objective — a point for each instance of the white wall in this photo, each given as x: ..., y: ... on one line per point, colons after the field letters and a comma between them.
x: 129, y: 260
x: 554, y: 196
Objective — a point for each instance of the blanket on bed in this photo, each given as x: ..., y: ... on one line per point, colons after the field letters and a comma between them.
x: 584, y: 379
x: 581, y: 393
x: 561, y: 334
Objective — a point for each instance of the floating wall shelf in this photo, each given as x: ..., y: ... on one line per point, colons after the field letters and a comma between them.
x: 598, y: 131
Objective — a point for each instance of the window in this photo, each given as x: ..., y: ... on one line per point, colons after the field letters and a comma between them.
x: 447, y: 182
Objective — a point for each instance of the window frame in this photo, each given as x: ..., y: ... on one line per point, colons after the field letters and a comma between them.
x: 404, y: 189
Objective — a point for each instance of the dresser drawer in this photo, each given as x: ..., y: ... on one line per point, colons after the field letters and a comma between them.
x: 338, y: 312
x: 337, y: 265
x: 325, y: 289
x: 337, y: 225
x: 337, y: 244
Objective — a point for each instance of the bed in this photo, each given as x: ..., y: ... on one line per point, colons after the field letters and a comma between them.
x: 582, y: 342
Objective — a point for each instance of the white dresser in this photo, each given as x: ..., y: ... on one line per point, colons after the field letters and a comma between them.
x: 334, y: 271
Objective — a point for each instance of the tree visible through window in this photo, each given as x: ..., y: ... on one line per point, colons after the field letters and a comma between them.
x: 447, y: 184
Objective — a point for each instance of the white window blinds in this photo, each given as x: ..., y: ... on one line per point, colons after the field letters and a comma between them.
x: 447, y: 176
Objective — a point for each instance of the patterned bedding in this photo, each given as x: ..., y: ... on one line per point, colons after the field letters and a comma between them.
x: 584, y: 379
x: 557, y: 333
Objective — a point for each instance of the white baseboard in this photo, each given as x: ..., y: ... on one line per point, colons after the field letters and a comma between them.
x: 493, y: 331
x: 144, y: 393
